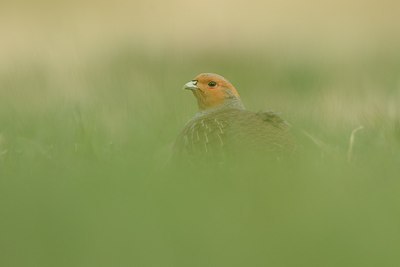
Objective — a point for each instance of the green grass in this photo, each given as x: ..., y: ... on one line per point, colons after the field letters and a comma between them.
x: 83, y: 149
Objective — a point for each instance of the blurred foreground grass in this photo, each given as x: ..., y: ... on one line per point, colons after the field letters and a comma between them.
x: 83, y: 148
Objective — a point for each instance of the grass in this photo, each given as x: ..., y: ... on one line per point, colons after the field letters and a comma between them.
x: 82, y: 150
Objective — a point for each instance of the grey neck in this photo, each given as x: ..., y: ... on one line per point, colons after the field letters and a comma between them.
x: 231, y: 104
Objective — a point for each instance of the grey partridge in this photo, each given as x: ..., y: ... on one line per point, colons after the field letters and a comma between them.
x: 223, y: 127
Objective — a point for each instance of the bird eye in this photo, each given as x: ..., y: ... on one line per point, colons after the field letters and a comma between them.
x: 212, y: 84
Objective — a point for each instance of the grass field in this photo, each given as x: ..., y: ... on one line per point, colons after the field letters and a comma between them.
x: 91, y: 101
x: 82, y: 150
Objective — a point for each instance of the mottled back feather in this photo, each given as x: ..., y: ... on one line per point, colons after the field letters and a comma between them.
x: 234, y: 132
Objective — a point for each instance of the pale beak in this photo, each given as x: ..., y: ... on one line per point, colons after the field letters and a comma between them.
x: 192, y: 85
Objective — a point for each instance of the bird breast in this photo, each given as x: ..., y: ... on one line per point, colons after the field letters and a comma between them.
x: 234, y: 131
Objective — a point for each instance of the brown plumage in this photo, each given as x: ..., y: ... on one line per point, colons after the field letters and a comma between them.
x: 223, y: 127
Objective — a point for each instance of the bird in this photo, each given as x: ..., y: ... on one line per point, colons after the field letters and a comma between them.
x: 223, y: 128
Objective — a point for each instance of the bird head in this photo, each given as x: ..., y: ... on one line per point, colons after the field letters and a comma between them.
x: 213, y: 91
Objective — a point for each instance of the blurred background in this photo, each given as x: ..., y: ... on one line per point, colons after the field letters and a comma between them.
x: 91, y: 102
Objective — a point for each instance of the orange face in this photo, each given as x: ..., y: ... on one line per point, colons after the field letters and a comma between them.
x: 211, y: 90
